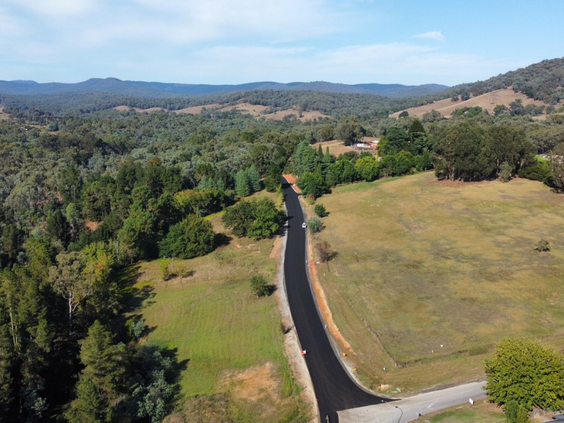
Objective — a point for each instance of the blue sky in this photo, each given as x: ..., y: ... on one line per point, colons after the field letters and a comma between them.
x: 236, y: 41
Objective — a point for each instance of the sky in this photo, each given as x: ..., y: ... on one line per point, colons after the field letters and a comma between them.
x: 408, y: 42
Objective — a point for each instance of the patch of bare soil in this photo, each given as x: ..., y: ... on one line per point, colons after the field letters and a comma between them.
x: 254, y: 384
x: 292, y: 180
x: 486, y: 101
x: 92, y: 225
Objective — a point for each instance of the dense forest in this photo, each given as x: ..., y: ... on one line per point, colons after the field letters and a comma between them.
x: 84, y: 198
x: 87, y: 191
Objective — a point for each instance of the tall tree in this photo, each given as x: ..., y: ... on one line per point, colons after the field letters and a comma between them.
x: 349, y: 130
x: 102, y: 382
x: 139, y: 233
x: 526, y: 372
x: 70, y: 280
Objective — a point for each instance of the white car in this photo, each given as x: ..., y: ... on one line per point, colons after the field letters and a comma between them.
x: 304, y: 225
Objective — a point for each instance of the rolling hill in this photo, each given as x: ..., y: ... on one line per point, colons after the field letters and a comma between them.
x: 486, y: 101
x: 160, y: 89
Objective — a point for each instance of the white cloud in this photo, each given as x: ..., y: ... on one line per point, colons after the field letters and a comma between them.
x: 382, y: 63
x: 224, y: 41
x: 431, y: 35
x: 190, y: 21
x: 55, y: 9
x: 11, y: 25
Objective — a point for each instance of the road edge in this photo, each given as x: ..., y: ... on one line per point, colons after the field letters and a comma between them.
x: 292, y: 346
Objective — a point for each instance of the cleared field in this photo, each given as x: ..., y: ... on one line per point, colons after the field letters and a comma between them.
x: 337, y: 147
x: 486, y: 101
x: 430, y: 275
x: 257, y: 111
x: 231, y: 340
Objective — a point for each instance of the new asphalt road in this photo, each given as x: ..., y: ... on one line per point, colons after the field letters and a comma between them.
x: 334, y: 389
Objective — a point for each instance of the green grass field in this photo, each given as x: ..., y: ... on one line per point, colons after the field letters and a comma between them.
x: 438, y: 272
x: 232, y: 340
x: 481, y: 411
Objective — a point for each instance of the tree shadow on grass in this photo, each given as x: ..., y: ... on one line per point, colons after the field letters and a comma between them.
x: 222, y: 240
x: 134, y: 296
x: 271, y: 289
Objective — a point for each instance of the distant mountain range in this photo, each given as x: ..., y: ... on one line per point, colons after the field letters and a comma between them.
x: 160, y: 89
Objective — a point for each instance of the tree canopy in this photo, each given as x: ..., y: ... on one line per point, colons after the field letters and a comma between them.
x: 524, y: 371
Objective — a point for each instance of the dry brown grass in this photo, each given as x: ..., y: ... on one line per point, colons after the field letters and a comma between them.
x: 196, y: 110
x: 486, y: 101
x: 138, y: 110
x: 439, y: 272
x: 3, y: 116
x: 257, y: 111
x: 337, y: 147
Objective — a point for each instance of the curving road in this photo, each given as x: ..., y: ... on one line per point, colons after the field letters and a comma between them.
x: 334, y: 389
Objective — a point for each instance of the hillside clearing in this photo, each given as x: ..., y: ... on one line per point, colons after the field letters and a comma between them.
x: 338, y: 147
x: 486, y: 101
x: 438, y: 272
x: 256, y: 111
x: 232, y: 341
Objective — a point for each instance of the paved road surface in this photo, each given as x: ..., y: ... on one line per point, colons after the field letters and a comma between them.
x: 333, y: 387
x: 409, y: 408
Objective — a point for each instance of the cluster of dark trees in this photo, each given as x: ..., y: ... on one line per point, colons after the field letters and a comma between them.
x: 400, y: 152
x: 473, y: 147
x: 468, y: 151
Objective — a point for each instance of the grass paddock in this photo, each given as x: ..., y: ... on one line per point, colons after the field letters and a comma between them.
x: 430, y: 275
x: 231, y: 340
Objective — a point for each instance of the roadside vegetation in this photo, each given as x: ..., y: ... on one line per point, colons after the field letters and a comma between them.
x: 482, y: 411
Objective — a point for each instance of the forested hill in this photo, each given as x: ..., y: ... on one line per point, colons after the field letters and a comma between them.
x: 159, y: 89
x: 540, y: 81
x: 332, y: 104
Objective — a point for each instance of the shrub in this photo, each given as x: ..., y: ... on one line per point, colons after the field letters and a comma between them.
x: 315, y: 224
x: 139, y: 329
x: 165, y: 270
x: 543, y: 246
x: 190, y: 238
x: 320, y: 210
x: 516, y: 413
x: 259, y: 286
